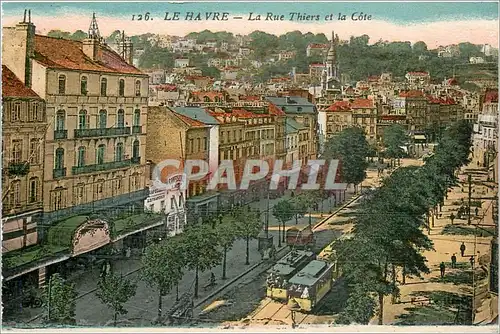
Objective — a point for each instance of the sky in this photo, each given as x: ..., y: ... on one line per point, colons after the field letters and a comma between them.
x: 436, y: 23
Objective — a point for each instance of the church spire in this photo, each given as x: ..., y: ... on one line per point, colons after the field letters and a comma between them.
x: 94, y: 29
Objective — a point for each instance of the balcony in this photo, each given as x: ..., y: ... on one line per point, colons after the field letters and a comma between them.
x: 105, y: 132
x: 76, y: 170
x: 18, y: 168
x: 60, y: 134
x: 136, y: 160
x: 136, y: 129
x: 59, y: 172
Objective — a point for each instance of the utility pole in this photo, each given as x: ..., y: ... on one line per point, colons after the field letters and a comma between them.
x: 267, y: 217
x: 49, y: 292
x: 469, y: 179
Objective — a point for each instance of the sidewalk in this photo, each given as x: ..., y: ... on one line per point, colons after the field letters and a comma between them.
x: 435, y: 300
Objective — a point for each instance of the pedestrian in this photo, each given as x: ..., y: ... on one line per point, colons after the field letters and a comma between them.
x: 442, y: 269
x: 471, y: 260
x: 462, y: 249
x: 453, y: 261
x: 477, y: 211
x: 452, y: 218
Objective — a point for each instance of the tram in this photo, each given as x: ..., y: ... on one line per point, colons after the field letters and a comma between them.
x: 308, y: 287
x: 283, y: 270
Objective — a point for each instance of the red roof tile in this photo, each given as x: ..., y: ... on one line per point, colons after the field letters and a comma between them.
x: 66, y: 54
x: 339, y: 106
x: 491, y: 96
x: 13, y: 87
x: 274, y: 110
x: 411, y: 93
x: 362, y: 103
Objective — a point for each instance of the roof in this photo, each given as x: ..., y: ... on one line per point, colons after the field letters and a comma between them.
x: 421, y: 74
x: 292, y: 104
x: 292, y: 126
x: 411, y: 93
x: 274, y: 110
x: 196, y: 114
x: 294, y: 257
x: 491, y: 96
x: 310, y: 273
x: 66, y: 54
x: 13, y: 87
x: 339, y: 106
x: 281, y: 269
x: 362, y: 103
x: 189, y: 121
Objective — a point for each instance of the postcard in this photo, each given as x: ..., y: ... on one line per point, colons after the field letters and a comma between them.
x: 257, y: 166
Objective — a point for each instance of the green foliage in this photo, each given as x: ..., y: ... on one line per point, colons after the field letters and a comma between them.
x: 351, y: 148
x: 78, y: 35
x: 155, y: 57
x: 360, y: 308
x: 201, y: 251
x: 206, y: 35
x: 227, y: 232
x: 163, y: 263
x: 394, y: 137
x: 60, y: 301
x: 248, y: 223
x: 283, y: 211
x: 114, y: 291
x: 210, y: 71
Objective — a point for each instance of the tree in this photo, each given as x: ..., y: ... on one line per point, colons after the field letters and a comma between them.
x: 299, y: 207
x: 210, y: 71
x: 420, y: 47
x: 114, y: 291
x: 283, y: 211
x: 79, y: 35
x: 59, y: 34
x: 352, y: 149
x: 60, y: 302
x: 202, y: 252
x: 359, y: 309
x: 394, y: 138
x: 163, y: 265
x: 248, y: 227
x: 226, y: 234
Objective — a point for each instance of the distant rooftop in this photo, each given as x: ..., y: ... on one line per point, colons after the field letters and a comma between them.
x: 293, y: 104
x: 196, y: 113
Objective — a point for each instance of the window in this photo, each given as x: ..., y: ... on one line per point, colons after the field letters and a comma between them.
x: 120, y: 119
x: 103, y: 118
x: 104, y: 86
x: 60, y: 120
x: 82, y: 119
x: 79, y: 191
x: 34, y: 112
x: 205, y: 144
x: 100, y: 186
x: 59, y: 162
x: 16, y: 192
x: 17, y: 150
x: 62, y: 84
x: 83, y: 86
x: 138, y: 88
x: 100, y: 154
x: 34, y: 151
x: 57, y: 198
x: 181, y: 200
x: 33, y: 191
x: 135, y: 149
x: 134, y: 181
x: 198, y: 145
x: 15, y: 116
x: 299, y: 109
x: 121, y: 87
x: 206, y: 99
x: 172, y: 202
x: 137, y: 117
x: 119, y: 152
x: 81, y: 156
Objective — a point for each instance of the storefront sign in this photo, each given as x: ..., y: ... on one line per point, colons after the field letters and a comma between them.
x: 91, y: 235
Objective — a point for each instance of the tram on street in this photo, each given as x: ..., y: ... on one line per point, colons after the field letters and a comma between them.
x: 310, y: 285
x: 283, y: 270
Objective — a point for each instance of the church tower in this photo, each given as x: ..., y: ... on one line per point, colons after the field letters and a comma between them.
x: 330, y: 80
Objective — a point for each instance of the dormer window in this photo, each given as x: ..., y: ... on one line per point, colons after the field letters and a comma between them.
x: 62, y: 84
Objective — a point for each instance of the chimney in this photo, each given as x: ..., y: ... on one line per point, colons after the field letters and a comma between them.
x: 91, y: 43
x: 18, y: 48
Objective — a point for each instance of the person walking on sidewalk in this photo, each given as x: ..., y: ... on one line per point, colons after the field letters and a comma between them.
x: 453, y: 261
x: 462, y: 249
x: 452, y: 218
x: 476, y: 211
x: 442, y: 269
